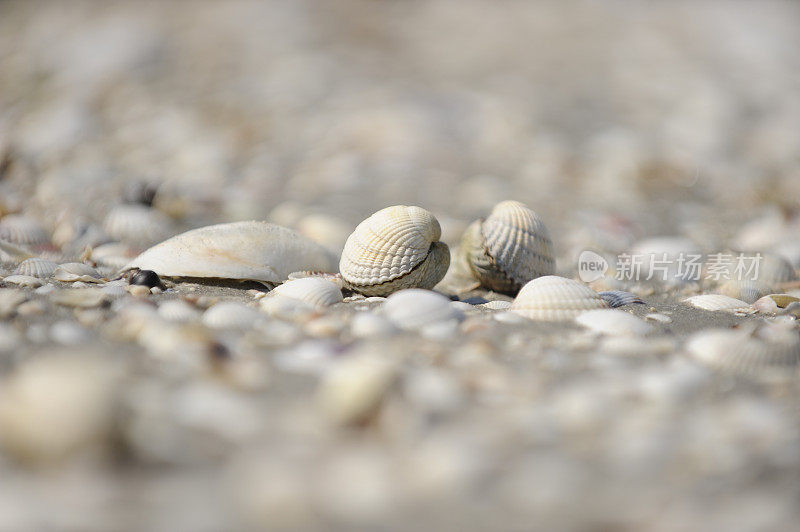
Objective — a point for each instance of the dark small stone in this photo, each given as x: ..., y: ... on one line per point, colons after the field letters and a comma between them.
x: 147, y: 278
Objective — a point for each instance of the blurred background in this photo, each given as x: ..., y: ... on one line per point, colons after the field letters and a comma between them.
x: 613, y: 120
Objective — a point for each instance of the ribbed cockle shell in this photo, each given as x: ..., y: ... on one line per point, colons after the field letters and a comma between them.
x: 509, y: 248
x: 397, y: 247
x: 553, y: 298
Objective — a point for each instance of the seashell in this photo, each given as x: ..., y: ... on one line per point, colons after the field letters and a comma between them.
x: 230, y: 315
x: 747, y: 291
x: 509, y: 248
x: 415, y: 308
x: 395, y: 248
x: 25, y: 281
x: 496, y: 305
x: 178, y: 311
x: 613, y: 322
x: 368, y: 325
x: 19, y: 229
x: 774, y: 303
x: 80, y: 298
x: 660, y: 318
x: 147, y: 278
x: 620, y: 298
x: 35, y: 267
x: 553, y: 298
x: 749, y: 350
x: 137, y: 224
x: 352, y: 391
x: 113, y: 255
x: 286, y: 308
x: 715, y: 302
x: 10, y: 299
x: 314, y: 291
x: 255, y: 251
x: 71, y: 272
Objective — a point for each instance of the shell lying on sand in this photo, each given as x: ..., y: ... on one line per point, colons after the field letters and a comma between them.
x: 255, y: 251
x: 397, y: 247
x: 715, y: 302
x: 509, y: 248
x: 553, y: 298
x: 613, y: 322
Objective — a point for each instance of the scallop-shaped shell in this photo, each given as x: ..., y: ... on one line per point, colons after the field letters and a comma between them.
x: 496, y: 305
x: 553, y: 298
x: 314, y: 291
x: 747, y: 291
x: 395, y: 248
x: 19, y: 229
x: 112, y: 255
x: 620, y: 298
x: 76, y: 271
x: 415, y: 308
x: 747, y: 350
x: 36, y: 267
x: 716, y: 302
x: 178, y: 311
x: 230, y: 315
x: 137, y: 224
x: 613, y: 322
x: 509, y: 248
x: 774, y: 303
x: 257, y: 251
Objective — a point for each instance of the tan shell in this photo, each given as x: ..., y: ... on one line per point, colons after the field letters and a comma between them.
x: 553, y: 298
x: 509, y: 248
x: 715, y: 302
x: 255, y: 251
x: 397, y: 247
x: 36, y: 267
x: 313, y: 291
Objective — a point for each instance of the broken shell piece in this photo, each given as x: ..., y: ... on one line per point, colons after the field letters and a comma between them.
x: 613, y: 322
x: 415, y: 308
x: 509, y: 248
x: 774, y: 303
x: 36, y: 267
x: 255, y: 251
x: 718, y: 302
x: 553, y: 298
x: 77, y: 271
x: 397, y: 247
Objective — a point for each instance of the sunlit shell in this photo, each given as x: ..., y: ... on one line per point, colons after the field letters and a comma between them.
x: 749, y: 350
x: 18, y: 229
x: 79, y: 297
x: 138, y: 225
x: 112, y: 255
x: 509, y: 248
x: 257, y: 251
x: 230, y: 315
x: 314, y: 291
x: 25, y: 281
x: 774, y: 303
x: 335, y: 278
x: 395, y: 248
x: 613, y: 322
x: 35, y: 267
x: 178, y: 311
x: 553, y: 298
x: 718, y: 302
x: 496, y: 305
x: 76, y: 271
x: 415, y: 308
x: 620, y: 298
x: 747, y: 291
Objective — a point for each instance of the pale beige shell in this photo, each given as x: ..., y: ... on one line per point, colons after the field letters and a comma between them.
x: 314, y: 291
x: 256, y: 251
x: 36, y: 267
x: 553, y: 298
x: 747, y: 291
x: 718, y: 302
x: 509, y: 248
x: 613, y: 322
x: 230, y: 315
x: 415, y: 309
x: 397, y: 247
x: 71, y: 272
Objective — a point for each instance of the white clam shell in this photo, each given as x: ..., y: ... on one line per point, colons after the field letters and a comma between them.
x: 230, y: 315
x: 553, y: 298
x: 314, y: 291
x: 397, y: 247
x: 19, y: 229
x: 257, y: 251
x: 415, y: 308
x: 509, y: 248
x: 614, y: 322
x: 36, y: 267
x: 137, y: 224
x: 747, y: 350
x: 718, y: 302
x: 71, y: 272
x: 179, y: 311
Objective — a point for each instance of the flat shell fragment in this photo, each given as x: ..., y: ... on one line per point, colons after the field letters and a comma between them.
x: 244, y: 251
x: 230, y: 315
x: 553, y: 298
x: 77, y: 272
x: 397, y: 247
x: 25, y: 281
x: 79, y: 297
x: 718, y: 302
